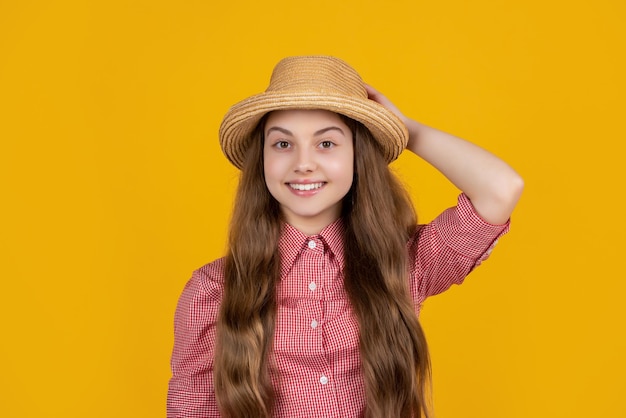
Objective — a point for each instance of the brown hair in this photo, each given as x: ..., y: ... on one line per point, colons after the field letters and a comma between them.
x: 379, y: 219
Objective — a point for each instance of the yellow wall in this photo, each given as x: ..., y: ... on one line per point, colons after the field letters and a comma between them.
x: 113, y: 188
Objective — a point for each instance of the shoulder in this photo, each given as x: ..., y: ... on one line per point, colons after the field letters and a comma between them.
x: 446, y: 250
x: 208, y: 280
x: 212, y: 272
x: 201, y: 297
x: 461, y: 229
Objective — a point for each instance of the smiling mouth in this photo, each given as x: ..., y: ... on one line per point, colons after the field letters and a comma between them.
x: 305, y: 187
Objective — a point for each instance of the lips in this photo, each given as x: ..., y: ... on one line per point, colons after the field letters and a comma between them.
x: 305, y: 186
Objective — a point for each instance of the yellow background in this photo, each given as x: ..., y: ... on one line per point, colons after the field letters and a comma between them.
x: 114, y: 189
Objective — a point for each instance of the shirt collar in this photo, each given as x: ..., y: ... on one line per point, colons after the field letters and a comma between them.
x: 293, y: 241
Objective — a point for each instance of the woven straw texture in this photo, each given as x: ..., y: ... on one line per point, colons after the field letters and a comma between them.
x: 311, y: 82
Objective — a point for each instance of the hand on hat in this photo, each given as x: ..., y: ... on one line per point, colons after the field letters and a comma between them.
x: 381, y: 99
x: 492, y: 186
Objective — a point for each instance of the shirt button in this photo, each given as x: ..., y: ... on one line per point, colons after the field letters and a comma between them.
x: 314, y: 324
x: 323, y: 380
x: 312, y: 244
x: 312, y: 286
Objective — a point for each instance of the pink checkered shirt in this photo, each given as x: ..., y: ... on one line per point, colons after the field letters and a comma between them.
x: 316, y: 345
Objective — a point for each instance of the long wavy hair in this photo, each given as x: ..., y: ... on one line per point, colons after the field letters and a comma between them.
x: 379, y: 219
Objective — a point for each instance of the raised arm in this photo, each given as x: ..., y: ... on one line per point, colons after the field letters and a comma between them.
x: 492, y: 186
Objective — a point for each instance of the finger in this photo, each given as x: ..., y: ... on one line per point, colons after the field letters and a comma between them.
x: 371, y: 91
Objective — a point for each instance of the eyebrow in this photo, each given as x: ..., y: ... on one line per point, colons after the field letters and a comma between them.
x: 317, y: 133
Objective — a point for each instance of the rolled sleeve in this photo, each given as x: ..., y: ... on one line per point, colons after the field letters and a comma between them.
x: 446, y: 250
x: 191, y: 392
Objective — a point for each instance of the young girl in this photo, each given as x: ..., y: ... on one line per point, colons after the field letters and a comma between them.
x: 313, y: 312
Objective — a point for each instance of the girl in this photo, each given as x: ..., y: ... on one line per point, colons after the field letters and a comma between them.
x: 314, y: 309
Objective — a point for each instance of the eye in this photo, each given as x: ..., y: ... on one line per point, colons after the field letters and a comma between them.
x: 282, y: 144
x: 326, y: 144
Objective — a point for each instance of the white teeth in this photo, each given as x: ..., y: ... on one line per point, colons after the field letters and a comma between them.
x: 307, y: 186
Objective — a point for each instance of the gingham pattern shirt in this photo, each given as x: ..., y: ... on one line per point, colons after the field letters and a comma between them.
x: 316, y: 368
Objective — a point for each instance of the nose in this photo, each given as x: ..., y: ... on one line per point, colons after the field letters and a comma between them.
x: 305, y: 162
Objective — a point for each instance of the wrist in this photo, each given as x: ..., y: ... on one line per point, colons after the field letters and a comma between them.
x: 414, y: 128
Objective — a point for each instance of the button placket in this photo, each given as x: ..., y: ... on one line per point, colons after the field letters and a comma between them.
x: 316, y: 247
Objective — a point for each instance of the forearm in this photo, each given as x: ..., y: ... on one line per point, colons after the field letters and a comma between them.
x: 492, y: 185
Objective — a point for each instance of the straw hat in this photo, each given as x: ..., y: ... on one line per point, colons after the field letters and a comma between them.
x: 312, y: 82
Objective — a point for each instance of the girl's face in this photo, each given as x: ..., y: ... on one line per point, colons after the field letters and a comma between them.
x: 308, y: 158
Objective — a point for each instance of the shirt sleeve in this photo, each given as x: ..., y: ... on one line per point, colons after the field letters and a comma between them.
x: 191, y: 393
x: 445, y: 251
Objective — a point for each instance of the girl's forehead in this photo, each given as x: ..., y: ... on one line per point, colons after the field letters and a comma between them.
x: 304, y: 122
x: 302, y: 115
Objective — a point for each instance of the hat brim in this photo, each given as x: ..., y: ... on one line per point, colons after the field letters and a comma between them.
x: 242, y: 119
